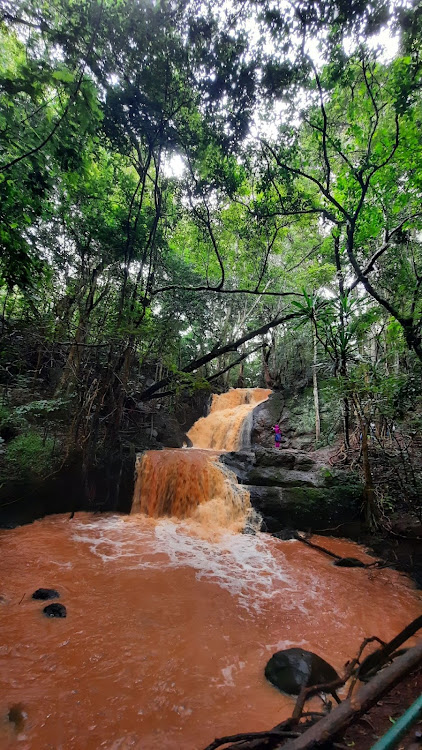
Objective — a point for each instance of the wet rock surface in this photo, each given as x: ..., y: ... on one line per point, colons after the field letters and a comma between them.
x: 44, y: 594
x: 294, y: 668
x: 17, y: 716
x: 55, y: 610
x: 292, y: 489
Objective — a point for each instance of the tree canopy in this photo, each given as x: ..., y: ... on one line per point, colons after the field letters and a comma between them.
x: 188, y: 189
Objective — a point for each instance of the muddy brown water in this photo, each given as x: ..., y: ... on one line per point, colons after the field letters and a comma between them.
x: 170, y: 623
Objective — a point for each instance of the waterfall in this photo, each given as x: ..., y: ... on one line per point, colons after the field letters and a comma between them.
x: 226, y: 428
x: 191, y: 483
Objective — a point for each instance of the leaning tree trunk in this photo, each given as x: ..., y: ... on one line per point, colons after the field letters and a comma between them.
x: 315, y: 388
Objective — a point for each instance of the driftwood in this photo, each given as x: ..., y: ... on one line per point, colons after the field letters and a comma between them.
x: 316, y: 731
x: 330, y: 687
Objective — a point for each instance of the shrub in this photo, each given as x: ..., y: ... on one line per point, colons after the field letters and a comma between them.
x: 28, y: 455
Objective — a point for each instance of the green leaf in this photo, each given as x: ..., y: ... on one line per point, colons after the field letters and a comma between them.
x: 63, y: 75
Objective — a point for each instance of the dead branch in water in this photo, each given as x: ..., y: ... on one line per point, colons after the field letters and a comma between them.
x: 331, y: 687
x: 320, y: 548
x: 381, y: 656
x: 321, y: 728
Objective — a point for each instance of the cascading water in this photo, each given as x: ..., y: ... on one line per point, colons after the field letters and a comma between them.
x: 190, y: 484
x: 226, y: 426
x: 180, y: 483
x: 168, y: 630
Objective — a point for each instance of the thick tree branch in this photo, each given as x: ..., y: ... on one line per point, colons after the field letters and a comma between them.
x: 309, y: 177
x: 217, y: 352
x: 233, y: 364
x: 205, y: 288
x: 365, y: 281
x: 381, y: 250
x: 359, y: 704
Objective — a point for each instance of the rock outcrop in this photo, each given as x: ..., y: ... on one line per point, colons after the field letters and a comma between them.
x: 44, y: 594
x: 55, y: 610
x: 292, y: 489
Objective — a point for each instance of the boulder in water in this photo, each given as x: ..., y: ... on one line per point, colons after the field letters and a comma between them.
x: 286, y: 534
x: 294, y: 668
x: 17, y: 716
x: 55, y: 610
x: 44, y: 594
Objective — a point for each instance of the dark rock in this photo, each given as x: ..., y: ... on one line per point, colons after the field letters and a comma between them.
x: 46, y: 594
x: 55, y: 610
x: 349, y: 562
x: 314, y: 508
x: 17, y: 716
x: 275, y: 457
x: 286, y: 534
x: 295, y: 668
x: 265, y: 416
x: 304, y: 462
x: 272, y: 476
x: 240, y: 462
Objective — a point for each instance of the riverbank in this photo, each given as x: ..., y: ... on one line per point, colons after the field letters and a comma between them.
x: 363, y: 734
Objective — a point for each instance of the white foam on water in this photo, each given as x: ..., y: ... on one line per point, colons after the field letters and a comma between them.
x: 242, y: 564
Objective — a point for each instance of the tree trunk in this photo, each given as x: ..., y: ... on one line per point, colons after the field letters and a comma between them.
x: 343, y: 362
x: 72, y: 366
x: 370, y: 507
x: 315, y: 387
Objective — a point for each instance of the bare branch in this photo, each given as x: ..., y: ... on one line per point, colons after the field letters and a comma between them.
x: 324, y: 128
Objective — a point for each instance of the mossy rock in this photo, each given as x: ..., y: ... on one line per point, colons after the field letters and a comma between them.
x: 272, y: 476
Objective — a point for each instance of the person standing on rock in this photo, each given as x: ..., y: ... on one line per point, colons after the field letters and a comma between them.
x: 277, y: 436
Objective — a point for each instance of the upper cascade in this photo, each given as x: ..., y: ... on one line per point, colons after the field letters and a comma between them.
x: 227, y: 428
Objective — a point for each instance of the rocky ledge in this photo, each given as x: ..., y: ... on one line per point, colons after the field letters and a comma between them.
x: 291, y: 489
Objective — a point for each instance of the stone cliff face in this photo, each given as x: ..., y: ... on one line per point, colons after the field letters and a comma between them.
x: 292, y: 488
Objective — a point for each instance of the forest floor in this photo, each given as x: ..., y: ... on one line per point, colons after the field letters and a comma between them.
x: 363, y: 734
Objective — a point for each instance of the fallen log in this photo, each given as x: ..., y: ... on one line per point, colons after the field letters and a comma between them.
x: 352, y: 561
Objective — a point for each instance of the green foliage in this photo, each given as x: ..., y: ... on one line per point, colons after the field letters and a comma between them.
x: 300, y: 194
x: 28, y: 456
x: 301, y: 408
x: 43, y: 409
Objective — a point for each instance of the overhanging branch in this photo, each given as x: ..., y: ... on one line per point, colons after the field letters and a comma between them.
x: 217, y: 352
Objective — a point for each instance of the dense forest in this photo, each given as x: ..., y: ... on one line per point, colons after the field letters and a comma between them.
x: 203, y: 195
